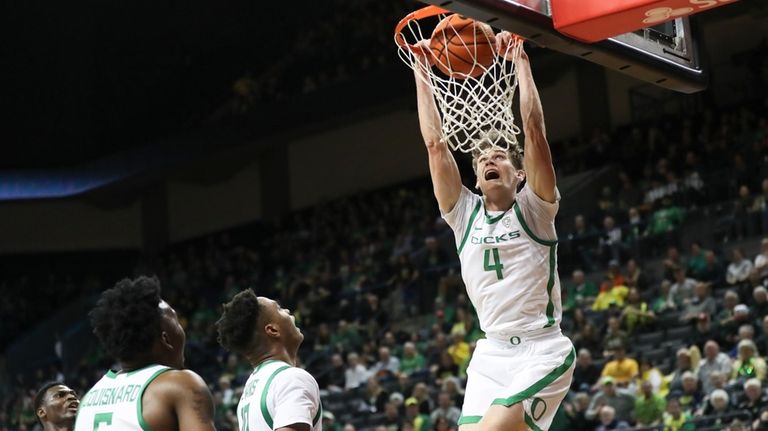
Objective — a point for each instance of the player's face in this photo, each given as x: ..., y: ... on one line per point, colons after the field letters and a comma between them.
x: 60, y: 405
x: 284, y: 320
x: 174, y: 334
x: 496, y: 171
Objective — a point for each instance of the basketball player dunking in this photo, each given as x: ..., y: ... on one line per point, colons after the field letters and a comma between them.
x: 278, y: 395
x: 151, y: 391
x: 506, y: 243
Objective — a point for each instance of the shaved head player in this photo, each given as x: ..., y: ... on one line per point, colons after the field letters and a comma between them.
x: 56, y: 407
x: 507, y: 245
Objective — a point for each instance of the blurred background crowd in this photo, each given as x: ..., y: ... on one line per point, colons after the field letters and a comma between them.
x: 669, y: 319
x: 664, y: 271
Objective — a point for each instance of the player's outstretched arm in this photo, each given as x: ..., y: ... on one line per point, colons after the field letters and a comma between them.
x: 446, y: 180
x: 179, y: 396
x: 537, y: 159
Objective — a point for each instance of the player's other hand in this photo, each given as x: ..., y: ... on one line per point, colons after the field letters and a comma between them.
x: 423, y: 53
x: 506, y: 43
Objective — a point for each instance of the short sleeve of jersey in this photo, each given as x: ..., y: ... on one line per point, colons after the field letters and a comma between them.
x: 459, y: 216
x: 296, y: 398
x: 539, y: 214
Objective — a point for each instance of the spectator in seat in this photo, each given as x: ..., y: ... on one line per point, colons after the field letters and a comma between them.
x: 393, y: 421
x: 412, y: 360
x: 755, y: 399
x: 703, y: 331
x: 726, y: 319
x: 588, y: 339
x: 650, y: 373
x: 760, y: 304
x: 691, y: 396
x: 637, y: 315
x: 713, y: 272
x: 609, y: 395
x: 609, y: 422
x: 696, y: 260
x: 452, y: 386
x: 673, y: 261
x: 649, y: 407
x: 675, y: 419
x: 442, y: 424
x: 375, y: 395
x: 459, y: 349
x: 748, y: 365
x: 681, y: 291
x: 586, y: 373
x: 713, y: 360
x: 660, y: 303
x: 634, y: 275
x: 614, y: 336
x: 446, y: 410
x: 609, y: 242
x: 576, y: 412
x: 745, y: 329
x: 582, y: 291
x: 716, y: 404
x: 356, y: 374
x: 739, y: 269
x: 329, y: 422
x: 421, y: 394
x: 419, y: 421
x: 761, y: 260
x: 387, y: 365
x: 702, y: 302
x: 683, y: 364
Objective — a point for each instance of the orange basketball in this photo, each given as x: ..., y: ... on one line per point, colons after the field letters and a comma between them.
x: 461, y: 45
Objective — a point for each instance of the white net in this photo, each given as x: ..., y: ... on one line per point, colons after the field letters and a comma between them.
x: 475, y: 110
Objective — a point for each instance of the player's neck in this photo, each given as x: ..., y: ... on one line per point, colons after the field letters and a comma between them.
x: 272, y: 355
x: 59, y: 427
x: 498, y: 201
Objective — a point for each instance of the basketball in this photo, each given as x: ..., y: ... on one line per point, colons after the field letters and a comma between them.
x: 462, y: 45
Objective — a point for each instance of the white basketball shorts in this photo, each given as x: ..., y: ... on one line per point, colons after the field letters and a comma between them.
x: 534, y: 369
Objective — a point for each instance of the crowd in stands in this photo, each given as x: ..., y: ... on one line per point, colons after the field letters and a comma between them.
x: 669, y: 335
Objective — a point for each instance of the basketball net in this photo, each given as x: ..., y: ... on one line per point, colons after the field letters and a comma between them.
x: 474, y: 111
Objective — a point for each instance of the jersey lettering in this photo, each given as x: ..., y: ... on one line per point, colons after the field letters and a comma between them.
x: 495, y: 239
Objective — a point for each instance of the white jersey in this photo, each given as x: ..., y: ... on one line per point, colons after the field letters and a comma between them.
x: 509, y: 262
x: 114, y: 402
x: 277, y: 395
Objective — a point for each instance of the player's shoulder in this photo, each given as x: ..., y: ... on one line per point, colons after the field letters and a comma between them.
x: 174, y: 380
x: 296, y: 376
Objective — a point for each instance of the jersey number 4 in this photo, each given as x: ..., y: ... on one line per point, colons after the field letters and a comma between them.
x: 496, y: 266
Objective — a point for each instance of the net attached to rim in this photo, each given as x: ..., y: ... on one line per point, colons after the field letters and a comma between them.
x: 476, y: 110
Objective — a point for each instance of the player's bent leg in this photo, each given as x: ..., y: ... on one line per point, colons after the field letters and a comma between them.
x: 501, y: 418
x: 469, y: 427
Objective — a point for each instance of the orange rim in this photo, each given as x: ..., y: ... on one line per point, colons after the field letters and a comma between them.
x: 422, y: 13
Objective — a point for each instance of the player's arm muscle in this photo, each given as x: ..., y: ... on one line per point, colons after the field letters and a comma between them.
x: 446, y: 180
x: 537, y: 159
x: 193, y: 402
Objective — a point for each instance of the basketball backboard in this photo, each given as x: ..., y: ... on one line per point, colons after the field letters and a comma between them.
x: 666, y: 55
